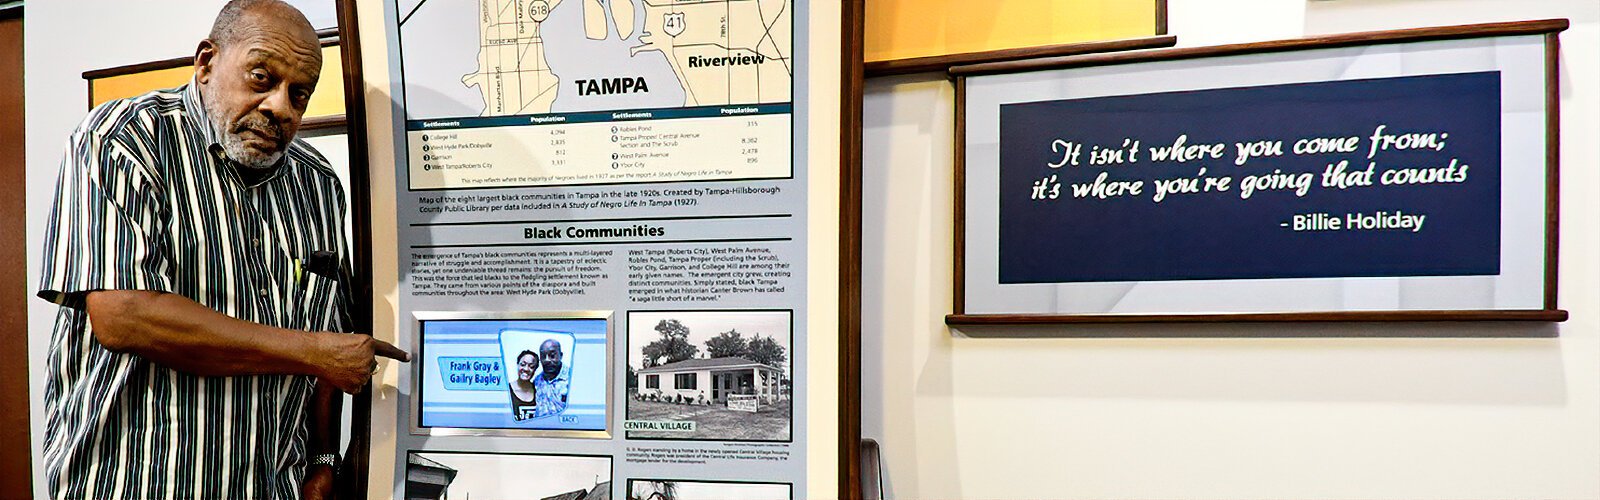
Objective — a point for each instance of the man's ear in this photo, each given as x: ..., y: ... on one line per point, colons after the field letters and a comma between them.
x: 204, y: 56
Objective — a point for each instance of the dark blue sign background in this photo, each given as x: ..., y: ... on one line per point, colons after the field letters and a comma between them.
x: 1221, y: 236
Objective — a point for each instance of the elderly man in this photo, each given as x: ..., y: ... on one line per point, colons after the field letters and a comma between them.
x: 189, y: 249
x: 550, y: 387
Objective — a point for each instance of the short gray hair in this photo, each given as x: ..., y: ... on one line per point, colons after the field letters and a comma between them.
x: 225, y: 30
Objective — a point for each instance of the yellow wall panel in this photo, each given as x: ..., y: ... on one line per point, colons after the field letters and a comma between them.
x: 129, y: 85
x: 326, y: 100
x: 901, y: 29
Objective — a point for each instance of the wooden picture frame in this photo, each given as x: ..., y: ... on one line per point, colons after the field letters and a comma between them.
x: 1548, y: 312
x: 153, y: 75
x: 1158, y: 38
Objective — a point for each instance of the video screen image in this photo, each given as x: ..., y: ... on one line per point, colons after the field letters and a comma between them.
x: 537, y: 374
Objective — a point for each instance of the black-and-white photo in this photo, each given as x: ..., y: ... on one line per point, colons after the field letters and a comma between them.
x: 660, y: 489
x: 721, y: 375
x: 453, y: 476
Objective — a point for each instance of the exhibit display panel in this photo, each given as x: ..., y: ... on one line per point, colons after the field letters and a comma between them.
x: 614, y: 234
x: 1405, y: 175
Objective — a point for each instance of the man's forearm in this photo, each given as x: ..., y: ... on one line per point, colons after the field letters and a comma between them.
x: 322, y: 422
x: 322, y: 437
x: 179, y: 333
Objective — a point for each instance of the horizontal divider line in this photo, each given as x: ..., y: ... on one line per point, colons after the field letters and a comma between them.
x: 1340, y: 40
x: 604, y: 243
x: 619, y: 219
x: 1364, y: 316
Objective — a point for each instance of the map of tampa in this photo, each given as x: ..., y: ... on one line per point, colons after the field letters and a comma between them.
x: 722, y: 52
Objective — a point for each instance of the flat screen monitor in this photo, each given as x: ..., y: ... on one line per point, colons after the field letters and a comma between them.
x: 513, y: 374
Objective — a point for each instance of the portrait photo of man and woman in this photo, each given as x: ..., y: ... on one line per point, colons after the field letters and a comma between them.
x: 538, y: 371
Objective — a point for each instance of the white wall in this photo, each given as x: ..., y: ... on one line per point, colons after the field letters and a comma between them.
x: 1215, y: 413
x: 62, y: 39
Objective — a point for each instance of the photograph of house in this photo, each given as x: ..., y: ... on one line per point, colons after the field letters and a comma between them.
x: 658, y: 489
x: 709, y: 375
x: 466, y: 476
x: 711, y: 380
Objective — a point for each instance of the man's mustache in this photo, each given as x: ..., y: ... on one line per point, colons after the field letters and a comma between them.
x: 260, y: 125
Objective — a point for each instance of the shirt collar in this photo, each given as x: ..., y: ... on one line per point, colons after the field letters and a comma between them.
x: 194, y: 110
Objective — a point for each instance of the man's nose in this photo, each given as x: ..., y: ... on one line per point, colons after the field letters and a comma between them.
x: 279, y: 106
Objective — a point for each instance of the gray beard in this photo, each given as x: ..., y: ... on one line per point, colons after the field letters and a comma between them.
x: 233, y: 145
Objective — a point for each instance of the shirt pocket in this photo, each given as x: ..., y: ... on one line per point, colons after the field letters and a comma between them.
x: 317, y: 301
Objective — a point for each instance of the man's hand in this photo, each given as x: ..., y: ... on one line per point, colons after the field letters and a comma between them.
x: 349, y: 360
x: 318, y: 484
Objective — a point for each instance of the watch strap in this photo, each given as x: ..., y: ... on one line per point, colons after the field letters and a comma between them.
x: 328, y: 459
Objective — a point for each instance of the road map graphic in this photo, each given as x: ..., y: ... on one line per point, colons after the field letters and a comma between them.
x: 507, y: 93
x: 520, y: 57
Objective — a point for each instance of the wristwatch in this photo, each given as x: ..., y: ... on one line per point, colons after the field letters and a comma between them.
x: 328, y: 459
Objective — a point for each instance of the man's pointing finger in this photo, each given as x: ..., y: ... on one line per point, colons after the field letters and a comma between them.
x: 388, y: 350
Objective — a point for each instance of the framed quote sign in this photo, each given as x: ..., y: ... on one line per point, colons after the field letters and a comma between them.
x: 1388, y: 176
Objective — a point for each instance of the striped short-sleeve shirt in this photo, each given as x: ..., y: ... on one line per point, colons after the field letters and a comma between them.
x: 146, y: 200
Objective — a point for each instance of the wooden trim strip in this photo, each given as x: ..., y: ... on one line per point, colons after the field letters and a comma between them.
x: 322, y: 122
x: 945, y: 62
x: 1552, y: 146
x: 1554, y: 315
x: 176, y: 62
x: 960, y: 215
x: 16, y: 464
x: 853, y: 87
x: 1161, y: 17
x: 358, y: 456
x: 1320, y: 42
